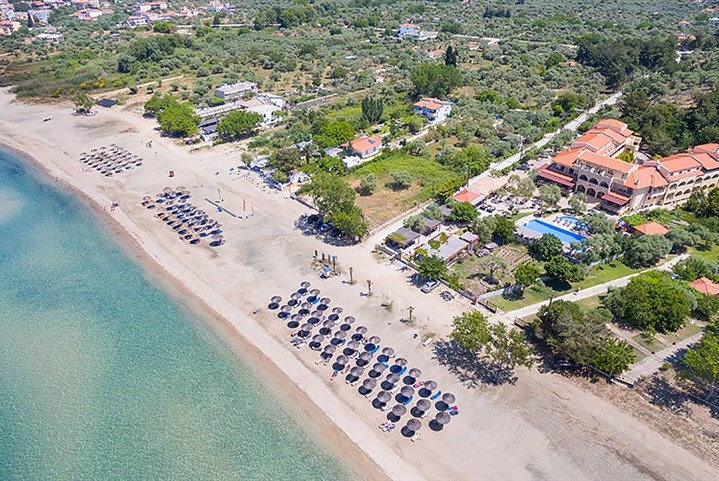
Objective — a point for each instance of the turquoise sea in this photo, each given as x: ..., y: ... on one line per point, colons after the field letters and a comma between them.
x: 103, y: 376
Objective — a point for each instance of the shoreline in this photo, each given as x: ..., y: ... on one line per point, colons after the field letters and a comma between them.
x: 295, y: 400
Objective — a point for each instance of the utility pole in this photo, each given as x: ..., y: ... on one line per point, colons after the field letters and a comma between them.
x: 411, y: 310
x: 369, y: 287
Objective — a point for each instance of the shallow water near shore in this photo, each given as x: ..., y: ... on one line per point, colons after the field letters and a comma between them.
x: 104, y: 376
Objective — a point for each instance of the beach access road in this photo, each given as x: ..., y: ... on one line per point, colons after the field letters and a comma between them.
x: 541, y: 427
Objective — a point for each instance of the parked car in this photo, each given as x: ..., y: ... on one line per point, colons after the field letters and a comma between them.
x: 523, y: 167
x: 562, y: 363
x: 429, y: 286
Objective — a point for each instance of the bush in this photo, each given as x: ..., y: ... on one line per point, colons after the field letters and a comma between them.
x: 368, y: 184
x: 401, y: 180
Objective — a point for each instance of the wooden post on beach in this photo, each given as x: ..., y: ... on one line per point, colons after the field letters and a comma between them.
x: 352, y: 281
x: 411, y: 309
x: 369, y: 287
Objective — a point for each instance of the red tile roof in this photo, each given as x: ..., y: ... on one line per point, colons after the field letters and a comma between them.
x: 615, y: 125
x: 614, y: 135
x: 365, y: 143
x: 606, y: 162
x: 559, y: 178
x: 615, y: 198
x: 675, y: 163
x: 645, y: 177
x: 708, y: 161
x: 430, y: 103
x: 567, y: 157
x: 596, y: 141
x: 466, y: 196
x: 706, y: 286
x: 651, y: 228
x: 706, y: 148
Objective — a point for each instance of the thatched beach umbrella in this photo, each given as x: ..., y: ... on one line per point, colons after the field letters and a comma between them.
x: 423, y: 405
x: 448, y: 398
x: 333, y: 317
x: 337, y: 310
x: 430, y: 385
x: 312, y: 320
x: 286, y: 308
x: 345, y: 327
x: 295, y: 295
x: 369, y: 384
x: 296, y: 317
x: 407, y: 391
x: 342, y: 359
x: 414, y: 425
x: 318, y: 338
x: 316, y: 314
x: 349, y: 319
x: 443, y: 418
x: 375, y: 340
x: 366, y: 356
x: 330, y: 349
x: 305, y: 284
x: 399, y: 410
x: 392, y: 378
x: 388, y: 351
x: 328, y: 324
x: 276, y: 299
x: 400, y: 361
x: 415, y: 373
x: 356, y: 371
x: 361, y: 330
x: 340, y: 335
x: 384, y: 397
x: 306, y: 305
x: 378, y: 367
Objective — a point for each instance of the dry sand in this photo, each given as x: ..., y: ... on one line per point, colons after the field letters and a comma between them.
x: 544, y: 427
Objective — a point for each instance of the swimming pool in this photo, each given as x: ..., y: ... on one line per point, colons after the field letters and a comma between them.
x: 564, y: 235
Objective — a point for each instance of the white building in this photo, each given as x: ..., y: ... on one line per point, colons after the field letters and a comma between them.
x: 235, y: 90
x: 433, y: 109
x: 414, y: 32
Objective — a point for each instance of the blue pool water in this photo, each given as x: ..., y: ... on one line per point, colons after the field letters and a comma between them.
x: 564, y: 235
x: 103, y: 376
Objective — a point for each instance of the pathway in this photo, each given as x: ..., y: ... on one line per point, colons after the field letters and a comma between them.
x: 654, y: 362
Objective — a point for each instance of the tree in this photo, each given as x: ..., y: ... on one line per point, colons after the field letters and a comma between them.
x: 163, y: 27
x: 463, y: 212
x: 450, y: 57
x: 526, y: 273
x: 546, y: 247
x: 368, y: 184
x: 504, y: 348
x: 652, y: 301
x: 238, y: 124
x: 701, y: 363
x: 470, y: 330
x: 435, y: 80
x: 550, y: 194
x: 507, y: 349
x: 647, y: 250
x: 401, y: 179
x: 681, y: 238
x: 578, y: 203
x: 372, y: 110
x: 599, y: 247
x: 692, y: 269
x: 613, y: 356
x: 83, y: 103
x: 598, y: 223
x: 179, y: 119
x: 483, y: 227
x: 335, y: 133
x: 492, y: 264
x: 503, y: 230
x: 562, y: 269
x: 330, y: 194
x: 432, y: 267
x: 350, y: 222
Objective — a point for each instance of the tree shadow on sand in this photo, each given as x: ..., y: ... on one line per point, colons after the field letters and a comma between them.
x: 469, y: 368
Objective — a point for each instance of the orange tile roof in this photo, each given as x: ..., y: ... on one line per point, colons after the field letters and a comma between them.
x: 645, y: 177
x: 365, y: 143
x: 430, y: 103
x: 651, y: 228
x: 675, y: 163
x: 706, y: 148
x: 615, y: 125
x: 706, y: 286
x: 567, y: 157
x: 606, y: 162
x: 616, y: 137
x: 466, y: 196
x: 596, y: 141
x: 708, y: 162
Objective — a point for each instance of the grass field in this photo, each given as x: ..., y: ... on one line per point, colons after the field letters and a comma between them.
x: 386, y: 202
x: 711, y: 255
x: 599, y: 275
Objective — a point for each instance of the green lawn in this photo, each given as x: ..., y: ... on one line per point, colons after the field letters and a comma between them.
x: 599, y: 275
x: 711, y: 255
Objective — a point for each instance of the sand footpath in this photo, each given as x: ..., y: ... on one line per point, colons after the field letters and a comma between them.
x: 543, y: 427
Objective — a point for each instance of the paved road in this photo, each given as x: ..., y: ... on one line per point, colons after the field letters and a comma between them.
x: 523, y: 312
x: 573, y: 125
x: 653, y: 362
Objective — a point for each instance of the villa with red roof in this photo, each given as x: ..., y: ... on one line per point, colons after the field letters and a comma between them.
x: 365, y: 146
x: 435, y: 110
x: 706, y: 286
x: 592, y: 166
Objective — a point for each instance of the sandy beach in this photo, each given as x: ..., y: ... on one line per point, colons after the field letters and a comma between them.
x: 544, y: 427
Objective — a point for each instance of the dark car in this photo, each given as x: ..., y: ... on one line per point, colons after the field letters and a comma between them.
x: 562, y: 363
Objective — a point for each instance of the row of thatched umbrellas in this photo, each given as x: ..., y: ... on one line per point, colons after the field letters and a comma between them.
x: 191, y: 223
x: 306, y: 310
x: 110, y: 160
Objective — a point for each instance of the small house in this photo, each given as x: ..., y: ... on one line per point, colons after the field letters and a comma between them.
x: 366, y: 146
x: 706, y: 286
x: 650, y: 228
x: 468, y: 196
x: 433, y: 109
x: 402, y: 238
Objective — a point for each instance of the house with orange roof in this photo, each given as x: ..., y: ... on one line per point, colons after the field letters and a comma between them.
x: 468, y: 196
x: 650, y: 228
x: 433, y: 109
x: 365, y: 146
x: 706, y: 286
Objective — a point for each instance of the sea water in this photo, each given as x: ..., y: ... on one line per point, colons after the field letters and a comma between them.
x: 104, y: 376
